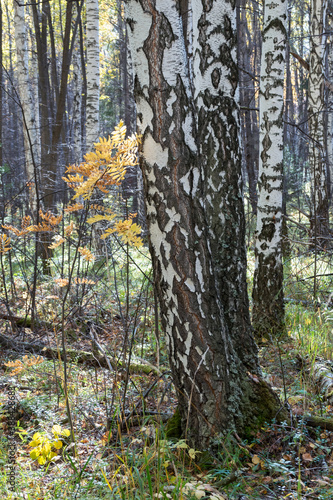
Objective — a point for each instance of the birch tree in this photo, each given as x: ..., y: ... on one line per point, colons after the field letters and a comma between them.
x: 194, y: 210
x: 27, y: 102
x: 319, y: 220
x: 92, y: 102
x: 268, y: 308
x: 329, y: 104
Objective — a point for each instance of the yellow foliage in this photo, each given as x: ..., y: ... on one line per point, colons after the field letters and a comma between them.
x: 42, y: 445
x: 48, y: 224
x: 119, y: 133
x: 86, y: 254
x: 4, y: 243
x: 104, y: 167
x: 25, y: 224
x: 100, y: 208
x: 69, y: 229
x: 50, y: 218
x: 11, y: 228
x: 128, y: 232
x: 61, y: 282
x: 74, y: 208
x: 58, y: 240
x: 83, y: 281
x: 18, y: 365
x: 99, y: 217
x: 40, y: 228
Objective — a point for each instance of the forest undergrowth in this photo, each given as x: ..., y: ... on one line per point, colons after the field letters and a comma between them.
x: 115, y: 443
x: 83, y: 362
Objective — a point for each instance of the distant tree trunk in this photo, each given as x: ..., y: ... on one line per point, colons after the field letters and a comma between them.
x: 192, y: 198
x: 77, y: 103
x: 329, y: 105
x: 268, y: 306
x: 92, y: 106
x: 46, y: 103
x: 84, y: 89
x: 319, y: 221
x: 130, y: 186
x: 1, y: 83
x: 249, y: 49
x: 31, y: 134
x: 52, y: 124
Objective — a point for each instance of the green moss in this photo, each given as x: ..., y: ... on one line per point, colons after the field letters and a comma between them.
x: 174, y: 428
x: 265, y: 407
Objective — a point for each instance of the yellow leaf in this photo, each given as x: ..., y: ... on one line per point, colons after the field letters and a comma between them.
x: 56, y: 429
x: 74, y: 208
x: 57, y: 445
x: 4, y: 243
x: 34, y: 454
x: 193, y: 453
x: 58, y: 240
x: 61, y: 282
x: 86, y: 254
x: 46, y: 449
x: 255, y: 459
x: 99, y: 217
x: 182, y: 444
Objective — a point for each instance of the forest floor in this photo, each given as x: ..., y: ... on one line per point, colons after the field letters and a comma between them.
x: 131, y: 459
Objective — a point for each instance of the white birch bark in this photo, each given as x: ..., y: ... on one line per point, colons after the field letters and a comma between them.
x: 216, y: 390
x: 330, y: 111
x: 33, y: 63
x: 25, y: 92
x: 268, y: 309
x: 77, y: 104
x: 216, y: 97
x: 317, y: 155
x: 93, y: 71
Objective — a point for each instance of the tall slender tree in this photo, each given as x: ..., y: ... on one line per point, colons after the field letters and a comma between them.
x: 268, y: 307
x: 1, y: 83
x: 30, y: 131
x: 92, y: 102
x: 193, y: 195
x: 319, y: 217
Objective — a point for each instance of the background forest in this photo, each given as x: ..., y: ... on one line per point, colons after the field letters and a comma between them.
x: 82, y: 344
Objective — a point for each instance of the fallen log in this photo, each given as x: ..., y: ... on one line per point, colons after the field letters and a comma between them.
x: 102, y: 360
x: 322, y: 422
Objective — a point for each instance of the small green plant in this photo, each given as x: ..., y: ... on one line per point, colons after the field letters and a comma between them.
x: 44, y: 448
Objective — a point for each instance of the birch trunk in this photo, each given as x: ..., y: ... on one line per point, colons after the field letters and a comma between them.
x: 1, y: 103
x: 330, y: 116
x: 25, y: 92
x: 214, y: 366
x: 268, y: 307
x: 319, y: 221
x: 77, y: 103
x: 92, y: 106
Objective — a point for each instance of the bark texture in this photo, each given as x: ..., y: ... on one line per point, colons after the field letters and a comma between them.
x: 319, y: 221
x: 92, y: 106
x: 199, y: 270
x: 268, y: 306
x: 30, y: 131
